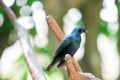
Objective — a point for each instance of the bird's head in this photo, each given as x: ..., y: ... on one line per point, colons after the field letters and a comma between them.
x: 79, y: 30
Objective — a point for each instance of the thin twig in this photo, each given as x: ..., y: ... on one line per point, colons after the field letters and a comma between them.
x: 34, y: 68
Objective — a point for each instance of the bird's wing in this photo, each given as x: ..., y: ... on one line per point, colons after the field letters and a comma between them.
x: 64, y: 44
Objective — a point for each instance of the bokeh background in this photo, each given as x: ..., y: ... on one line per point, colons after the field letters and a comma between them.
x: 99, y: 53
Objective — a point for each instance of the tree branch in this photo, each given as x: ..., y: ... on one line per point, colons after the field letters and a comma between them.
x: 73, y: 69
x: 34, y: 68
x: 75, y: 72
x: 55, y: 27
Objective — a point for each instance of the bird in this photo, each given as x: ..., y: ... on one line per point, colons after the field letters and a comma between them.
x: 69, y: 45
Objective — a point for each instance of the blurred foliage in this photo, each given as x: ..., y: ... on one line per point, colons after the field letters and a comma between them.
x: 58, y: 8
x: 104, y: 29
x: 4, y: 32
x: 118, y: 6
x: 20, y: 71
x: 32, y: 32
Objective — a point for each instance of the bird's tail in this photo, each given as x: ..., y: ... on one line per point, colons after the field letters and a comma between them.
x: 61, y: 64
x: 50, y: 66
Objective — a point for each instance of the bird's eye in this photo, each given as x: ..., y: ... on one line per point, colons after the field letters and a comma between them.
x: 80, y: 30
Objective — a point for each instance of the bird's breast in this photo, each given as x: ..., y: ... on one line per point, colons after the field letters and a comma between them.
x: 73, y: 47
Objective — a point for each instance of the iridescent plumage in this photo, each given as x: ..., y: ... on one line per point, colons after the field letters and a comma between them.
x: 68, y: 46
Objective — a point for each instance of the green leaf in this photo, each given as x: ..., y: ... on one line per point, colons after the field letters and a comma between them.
x: 33, y: 32
x: 104, y: 30
x: 24, y: 76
